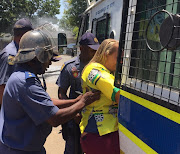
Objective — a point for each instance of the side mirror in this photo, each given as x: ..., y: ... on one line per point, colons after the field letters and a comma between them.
x: 62, y: 41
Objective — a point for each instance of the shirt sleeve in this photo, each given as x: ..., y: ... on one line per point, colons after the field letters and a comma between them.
x: 103, y: 81
x: 63, y: 80
x: 4, y: 75
x: 36, y: 102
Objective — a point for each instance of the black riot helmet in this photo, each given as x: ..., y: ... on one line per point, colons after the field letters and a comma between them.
x: 34, y: 43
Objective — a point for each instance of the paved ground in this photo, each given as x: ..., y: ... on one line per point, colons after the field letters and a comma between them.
x: 54, y: 143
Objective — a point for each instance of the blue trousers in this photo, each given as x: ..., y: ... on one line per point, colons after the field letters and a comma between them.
x: 7, y: 150
x: 71, y: 134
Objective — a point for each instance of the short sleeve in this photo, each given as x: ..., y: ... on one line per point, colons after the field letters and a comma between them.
x: 36, y: 102
x: 104, y: 82
x: 63, y: 80
x: 4, y: 74
x: 6, y: 67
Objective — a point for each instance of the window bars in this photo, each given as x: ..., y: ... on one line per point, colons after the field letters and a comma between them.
x: 142, y: 69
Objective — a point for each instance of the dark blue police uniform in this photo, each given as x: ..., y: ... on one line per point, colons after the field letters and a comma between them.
x: 70, y: 76
x: 25, y: 109
x: 6, y: 67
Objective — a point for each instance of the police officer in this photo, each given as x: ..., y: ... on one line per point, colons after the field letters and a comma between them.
x: 6, y: 66
x: 28, y: 113
x: 70, y: 76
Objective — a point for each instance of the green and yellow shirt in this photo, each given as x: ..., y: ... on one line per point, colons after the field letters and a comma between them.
x: 97, y: 77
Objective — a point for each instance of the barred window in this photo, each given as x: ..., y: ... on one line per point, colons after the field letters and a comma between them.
x: 153, y: 73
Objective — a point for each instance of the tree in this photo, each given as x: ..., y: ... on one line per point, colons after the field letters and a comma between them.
x: 11, y: 11
x: 65, y: 24
x: 71, y: 18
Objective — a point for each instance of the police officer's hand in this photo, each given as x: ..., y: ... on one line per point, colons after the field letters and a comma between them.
x: 78, y: 98
x: 90, y: 97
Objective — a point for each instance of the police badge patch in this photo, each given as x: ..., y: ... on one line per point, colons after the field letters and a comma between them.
x: 95, y: 40
x: 94, y: 76
x: 11, y: 60
x: 74, y: 72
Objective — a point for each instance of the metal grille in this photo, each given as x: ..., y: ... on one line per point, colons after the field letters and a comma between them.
x: 154, y: 73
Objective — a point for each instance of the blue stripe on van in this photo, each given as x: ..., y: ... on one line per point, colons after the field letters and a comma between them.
x: 157, y: 131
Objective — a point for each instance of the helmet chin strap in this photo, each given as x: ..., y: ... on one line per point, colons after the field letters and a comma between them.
x: 39, y: 67
x: 44, y: 83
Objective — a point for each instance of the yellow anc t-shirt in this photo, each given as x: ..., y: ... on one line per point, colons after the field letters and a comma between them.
x: 96, y: 77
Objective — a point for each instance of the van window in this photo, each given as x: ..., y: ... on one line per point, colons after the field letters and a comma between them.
x: 159, y: 67
x: 141, y: 70
x: 101, y: 27
x: 101, y: 32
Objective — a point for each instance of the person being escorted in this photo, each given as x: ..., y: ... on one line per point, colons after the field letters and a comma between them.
x: 28, y: 113
x: 6, y: 55
x: 99, y: 124
x: 70, y: 76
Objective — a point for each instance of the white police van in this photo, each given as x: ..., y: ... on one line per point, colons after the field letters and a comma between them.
x: 101, y: 19
x: 148, y: 69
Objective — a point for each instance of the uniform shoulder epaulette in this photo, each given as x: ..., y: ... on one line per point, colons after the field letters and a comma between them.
x: 29, y: 75
x: 68, y: 62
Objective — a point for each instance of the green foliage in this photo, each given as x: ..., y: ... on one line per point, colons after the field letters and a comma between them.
x: 49, y: 8
x: 64, y: 23
x: 75, y: 31
x: 12, y: 10
x: 71, y: 18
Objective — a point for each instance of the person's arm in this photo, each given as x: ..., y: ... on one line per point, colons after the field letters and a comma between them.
x: 40, y: 108
x: 104, y: 82
x: 62, y: 93
x: 4, y: 72
x: 117, y: 95
x: 63, y: 82
x: 66, y: 114
x: 1, y: 93
x: 62, y: 103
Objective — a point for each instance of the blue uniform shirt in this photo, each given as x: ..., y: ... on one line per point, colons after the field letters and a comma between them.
x: 6, y: 69
x: 26, y: 108
x: 70, y: 75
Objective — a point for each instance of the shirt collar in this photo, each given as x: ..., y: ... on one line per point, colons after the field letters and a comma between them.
x: 16, y: 45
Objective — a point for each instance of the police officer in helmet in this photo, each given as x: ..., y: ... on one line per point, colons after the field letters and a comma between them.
x: 28, y: 113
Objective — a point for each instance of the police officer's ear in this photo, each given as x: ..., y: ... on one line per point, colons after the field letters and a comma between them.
x: 81, y: 47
